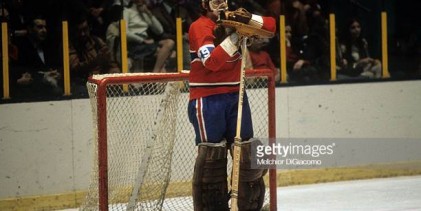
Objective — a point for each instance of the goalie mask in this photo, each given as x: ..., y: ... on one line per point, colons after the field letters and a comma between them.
x: 215, y: 5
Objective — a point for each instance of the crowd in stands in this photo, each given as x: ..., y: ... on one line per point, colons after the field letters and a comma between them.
x: 35, y: 42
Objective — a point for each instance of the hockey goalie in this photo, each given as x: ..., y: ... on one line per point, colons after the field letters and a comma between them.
x: 214, y: 80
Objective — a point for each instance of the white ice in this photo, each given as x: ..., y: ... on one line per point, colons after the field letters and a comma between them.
x: 385, y: 194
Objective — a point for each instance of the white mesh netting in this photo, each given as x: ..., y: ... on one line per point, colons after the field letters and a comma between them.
x: 151, y: 148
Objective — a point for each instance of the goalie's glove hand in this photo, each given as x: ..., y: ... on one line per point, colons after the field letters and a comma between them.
x: 240, y: 15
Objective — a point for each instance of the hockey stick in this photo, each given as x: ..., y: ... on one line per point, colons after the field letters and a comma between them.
x: 172, y: 89
x: 237, y: 139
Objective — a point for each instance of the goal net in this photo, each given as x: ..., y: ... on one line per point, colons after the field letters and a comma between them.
x: 144, y: 143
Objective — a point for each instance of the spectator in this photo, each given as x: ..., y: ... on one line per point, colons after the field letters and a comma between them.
x: 98, y: 15
x: 296, y: 16
x: 312, y: 51
x: 355, y: 53
x: 166, y: 12
x: 294, y: 69
x: 193, y: 7
x: 112, y: 36
x: 273, y: 9
x: 291, y: 55
x: 36, y: 73
x: 16, y: 11
x: 88, y: 55
x: 141, y: 25
x: 260, y: 58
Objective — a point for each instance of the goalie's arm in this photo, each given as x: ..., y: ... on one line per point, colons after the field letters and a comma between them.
x: 214, y: 57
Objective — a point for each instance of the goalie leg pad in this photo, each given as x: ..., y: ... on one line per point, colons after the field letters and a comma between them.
x: 210, y: 186
x: 251, y: 195
x: 251, y: 189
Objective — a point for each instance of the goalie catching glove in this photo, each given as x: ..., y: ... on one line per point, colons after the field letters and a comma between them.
x: 240, y: 15
x: 247, y: 24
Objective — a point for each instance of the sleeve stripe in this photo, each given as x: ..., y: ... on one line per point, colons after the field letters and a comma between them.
x: 257, y: 21
x: 229, y: 47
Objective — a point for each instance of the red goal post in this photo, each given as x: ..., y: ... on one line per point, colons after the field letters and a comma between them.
x: 144, y: 144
